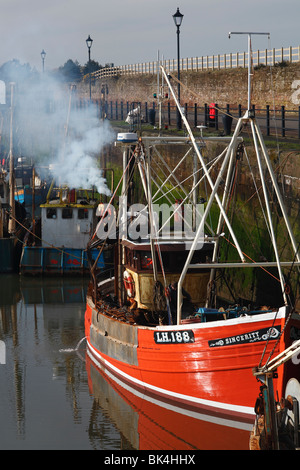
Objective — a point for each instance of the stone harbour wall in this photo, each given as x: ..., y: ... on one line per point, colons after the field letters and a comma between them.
x: 275, y: 86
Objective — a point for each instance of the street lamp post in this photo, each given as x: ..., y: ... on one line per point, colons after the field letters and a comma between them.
x: 89, y: 43
x: 177, y: 17
x: 43, y: 55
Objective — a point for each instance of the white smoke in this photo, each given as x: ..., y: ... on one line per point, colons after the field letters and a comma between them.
x: 52, y: 130
x: 76, y: 164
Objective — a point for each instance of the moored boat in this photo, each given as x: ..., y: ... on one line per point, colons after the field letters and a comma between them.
x: 12, y: 228
x: 175, y: 346
x: 30, y: 189
x: 57, y: 242
x: 13, y: 220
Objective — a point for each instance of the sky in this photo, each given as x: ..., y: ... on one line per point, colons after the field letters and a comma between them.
x: 133, y: 31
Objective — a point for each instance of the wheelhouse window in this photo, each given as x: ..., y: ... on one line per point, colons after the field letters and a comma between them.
x: 146, y: 260
x: 67, y: 213
x: 51, y: 213
x: 83, y: 214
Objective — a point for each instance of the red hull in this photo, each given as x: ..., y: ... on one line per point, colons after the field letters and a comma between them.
x: 153, y: 425
x: 212, y: 373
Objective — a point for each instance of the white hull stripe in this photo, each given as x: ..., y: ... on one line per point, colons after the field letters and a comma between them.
x: 200, y: 416
x: 237, y: 409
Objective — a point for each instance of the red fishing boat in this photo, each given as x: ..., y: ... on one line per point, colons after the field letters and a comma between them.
x: 202, y: 366
x: 151, y: 324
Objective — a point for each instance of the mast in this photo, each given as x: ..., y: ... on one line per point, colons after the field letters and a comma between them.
x: 228, y: 160
x: 2, y: 181
x: 212, y: 185
x: 220, y: 222
x: 12, y: 220
x: 144, y: 166
x: 33, y: 201
x: 153, y: 228
x: 249, y: 34
x: 1, y: 220
x: 214, y: 195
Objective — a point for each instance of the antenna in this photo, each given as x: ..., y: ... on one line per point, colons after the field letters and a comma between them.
x: 249, y: 64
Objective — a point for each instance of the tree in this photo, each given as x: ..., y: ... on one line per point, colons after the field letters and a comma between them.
x: 14, y: 71
x: 91, y: 67
x: 70, y: 71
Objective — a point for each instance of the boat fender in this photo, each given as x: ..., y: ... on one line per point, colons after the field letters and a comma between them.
x: 129, y: 284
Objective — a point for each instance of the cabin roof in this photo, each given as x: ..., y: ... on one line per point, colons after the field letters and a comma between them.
x: 166, y: 244
x: 60, y: 204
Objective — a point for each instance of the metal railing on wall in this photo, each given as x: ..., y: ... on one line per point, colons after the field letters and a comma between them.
x: 267, y: 57
x: 279, y: 122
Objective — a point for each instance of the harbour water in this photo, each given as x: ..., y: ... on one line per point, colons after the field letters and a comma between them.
x: 54, y: 398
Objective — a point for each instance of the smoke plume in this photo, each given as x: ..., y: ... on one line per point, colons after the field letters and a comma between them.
x: 76, y: 162
x: 51, y: 128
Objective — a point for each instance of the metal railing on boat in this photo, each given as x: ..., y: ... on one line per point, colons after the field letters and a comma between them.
x: 258, y: 264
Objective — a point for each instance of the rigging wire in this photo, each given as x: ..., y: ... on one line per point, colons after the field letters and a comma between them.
x: 111, y: 199
x: 212, y: 163
x: 250, y: 58
x: 156, y: 245
x: 257, y: 192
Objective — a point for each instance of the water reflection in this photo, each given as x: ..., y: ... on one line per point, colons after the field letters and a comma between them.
x: 45, y: 401
x: 52, y: 398
x: 149, y: 424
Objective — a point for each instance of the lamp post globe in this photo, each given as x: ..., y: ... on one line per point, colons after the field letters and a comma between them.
x: 177, y: 17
